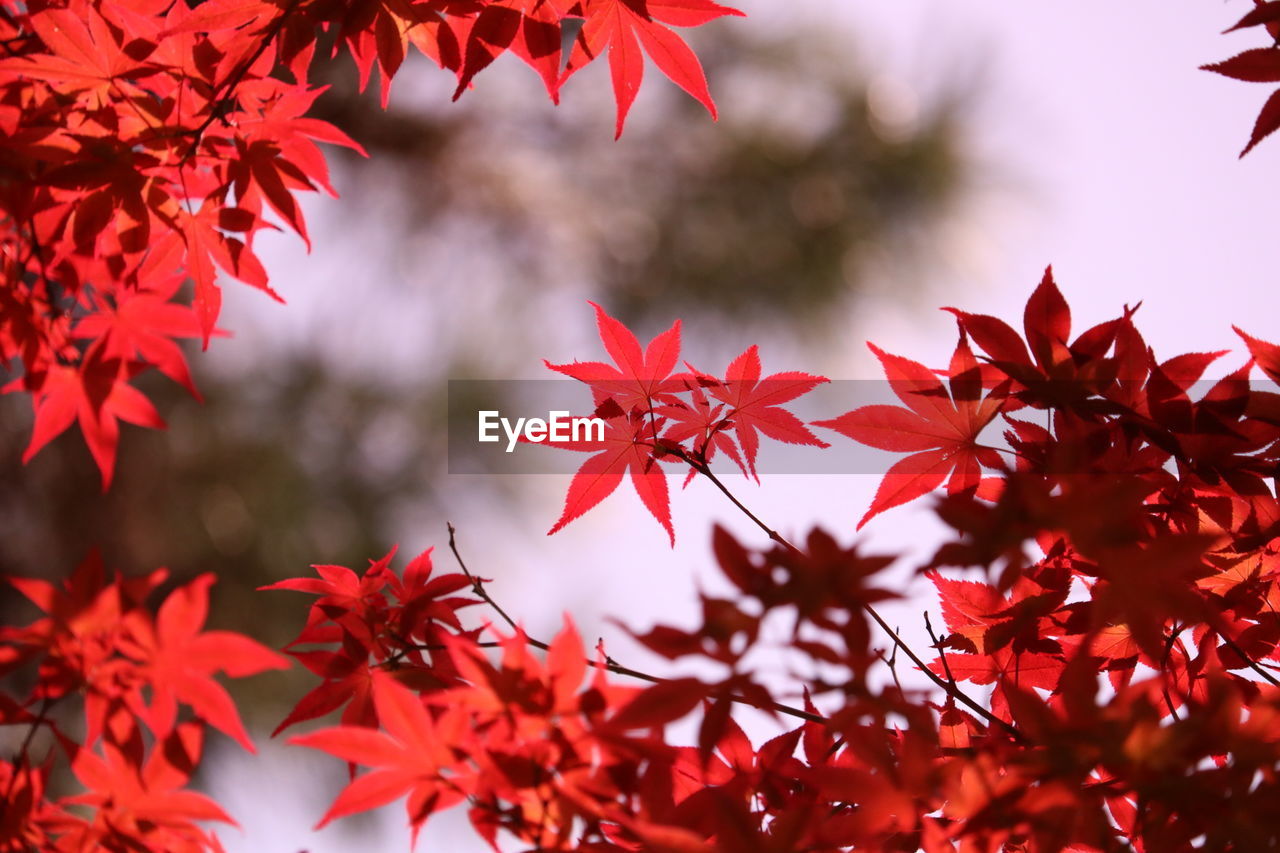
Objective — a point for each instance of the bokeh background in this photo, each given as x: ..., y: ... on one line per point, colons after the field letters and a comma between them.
x: 872, y: 162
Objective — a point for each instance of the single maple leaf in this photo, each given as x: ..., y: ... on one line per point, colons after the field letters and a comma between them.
x: 411, y: 755
x: 85, y: 52
x: 1056, y: 371
x: 641, y: 378
x: 200, y: 236
x: 140, y: 325
x: 701, y: 424
x: 938, y: 428
x: 261, y: 171
x: 1258, y: 65
x: 628, y: 448
x: 278, y: 116
x: 1265, y: 354
x: 98, y: 396
x: 179, y: 661
x: 622, y: 27
x: 144, y: 808
x: 348, y: 681
x: 755, y: 405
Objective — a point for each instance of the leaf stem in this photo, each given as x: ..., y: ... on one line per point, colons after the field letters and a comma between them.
x: 1231, y: 644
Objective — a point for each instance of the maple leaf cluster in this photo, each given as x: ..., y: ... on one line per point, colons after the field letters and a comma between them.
x: 1127, y: 530
x: 656, y: 415
x: 1125, y: 628
x: 1105, y: 683
x: 556, y: 754
x: 147, y: 143
x: 146, y: 686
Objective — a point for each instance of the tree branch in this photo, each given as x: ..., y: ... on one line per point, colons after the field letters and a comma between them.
x: 950, y: 688
x: 609, y: 664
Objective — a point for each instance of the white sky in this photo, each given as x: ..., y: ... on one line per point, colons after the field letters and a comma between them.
x: 1123, y: 155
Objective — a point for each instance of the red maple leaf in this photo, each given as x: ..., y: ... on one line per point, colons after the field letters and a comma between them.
x: 1257, y: 65
x: 348, y: 680
x: 622, y: 26
x: 206, y: 247
x: 755, y: 404
x: 410, y: 755
x: 98, y: 396
x: 144, y: 808
x: 85, y: 616
x: 1265, y: 354
x: 1050, y: 369
x: 627, y: 448
x: 702, y: 425
x: 940, y: 429
x: 84, y: 52
x: 180, y: 661
x: 641, y: 378
x: 354, y: 612
x: 528, y: 28
x: 141, y: 325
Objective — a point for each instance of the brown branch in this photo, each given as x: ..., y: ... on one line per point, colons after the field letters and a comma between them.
x: 950, y: 688
x: 1164, y: 663
x: 891, y: 661
x: 1231, y: 644
x: 21, y: 758
x: 937, y: 644
x: 609, y: 664
x: 701, y: 466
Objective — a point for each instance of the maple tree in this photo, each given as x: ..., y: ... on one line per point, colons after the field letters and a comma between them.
x: 1109, y: 581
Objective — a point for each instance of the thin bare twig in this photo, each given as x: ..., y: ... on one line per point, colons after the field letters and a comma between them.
x: 950, y: 688
x: 22, y: 758
x: 937, y: 644
x: 609, y: 664
x: 1231, y: 644
x: 892, y: 662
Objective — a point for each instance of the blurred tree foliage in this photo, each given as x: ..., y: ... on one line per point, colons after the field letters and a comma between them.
x: 771, y: 214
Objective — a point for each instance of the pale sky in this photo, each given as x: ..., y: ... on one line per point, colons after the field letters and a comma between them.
x: 1114, y: 159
